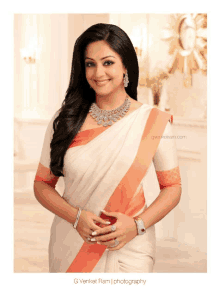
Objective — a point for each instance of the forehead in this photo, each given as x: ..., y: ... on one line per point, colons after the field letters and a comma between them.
x: 99, y: 49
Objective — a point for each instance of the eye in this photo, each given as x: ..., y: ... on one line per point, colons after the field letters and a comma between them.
x: 89, y: 64
x: 109, y: 63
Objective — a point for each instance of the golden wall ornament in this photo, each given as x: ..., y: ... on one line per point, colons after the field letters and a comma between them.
x: 155, y: 82
x: 187, y: 34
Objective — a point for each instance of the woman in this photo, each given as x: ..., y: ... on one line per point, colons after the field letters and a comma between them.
x: 106, y: 145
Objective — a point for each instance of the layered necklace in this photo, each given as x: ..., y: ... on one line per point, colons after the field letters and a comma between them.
x: 106, y: 117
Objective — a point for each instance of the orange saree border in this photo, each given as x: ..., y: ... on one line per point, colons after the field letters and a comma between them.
x: 44, y: 174
x: 86, y: 136
x: 169, y: 178
x: 89, y: 255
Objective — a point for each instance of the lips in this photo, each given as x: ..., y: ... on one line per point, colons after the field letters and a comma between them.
x: 102, y: 82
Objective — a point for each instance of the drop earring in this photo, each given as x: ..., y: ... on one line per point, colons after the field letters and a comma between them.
x: 126, y: 81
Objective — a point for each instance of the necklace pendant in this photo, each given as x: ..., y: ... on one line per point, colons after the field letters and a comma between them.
x: 107, y: 117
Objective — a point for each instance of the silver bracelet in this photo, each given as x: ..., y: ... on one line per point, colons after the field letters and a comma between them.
x: 77, y: 218
x: 140, y: 225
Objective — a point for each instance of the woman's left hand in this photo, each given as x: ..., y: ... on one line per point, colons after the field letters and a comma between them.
x: 126, y: 230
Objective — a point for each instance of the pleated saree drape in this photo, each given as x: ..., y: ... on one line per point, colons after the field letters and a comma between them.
x: 105, y: 168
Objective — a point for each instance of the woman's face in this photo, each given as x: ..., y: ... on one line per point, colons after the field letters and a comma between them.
x: 104, y: 68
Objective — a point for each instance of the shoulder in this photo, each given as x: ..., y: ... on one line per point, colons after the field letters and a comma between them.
x: 134, y: 104
x: 55, y: 115
x: 155, y: 112
x: 51, y: 121
x: 158, y: 114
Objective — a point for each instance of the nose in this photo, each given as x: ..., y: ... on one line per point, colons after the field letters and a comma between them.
x: 99, y: 71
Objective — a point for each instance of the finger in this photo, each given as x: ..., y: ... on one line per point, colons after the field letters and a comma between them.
x: 118, y: 247
x: 90, y: 230
x: 122, y: 242
x: 112, y: 214
x: 87, y: 239
x: 102, y: 231
x: 108, y: 244
x: 106, y: 237
x: 89, y: 242
x: 93, y: 227
x: 100, y: 220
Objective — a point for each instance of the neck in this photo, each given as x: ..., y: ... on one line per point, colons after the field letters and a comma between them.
x: 111, y: 101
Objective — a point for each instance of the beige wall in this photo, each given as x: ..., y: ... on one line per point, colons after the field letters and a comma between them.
x: 40, y: 87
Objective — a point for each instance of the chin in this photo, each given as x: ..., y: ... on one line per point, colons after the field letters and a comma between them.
x: 105, y: 92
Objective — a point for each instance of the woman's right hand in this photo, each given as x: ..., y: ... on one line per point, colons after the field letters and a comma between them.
x: 87, y: 224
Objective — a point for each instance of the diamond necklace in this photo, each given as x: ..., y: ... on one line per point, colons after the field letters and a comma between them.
x: 106, y: 117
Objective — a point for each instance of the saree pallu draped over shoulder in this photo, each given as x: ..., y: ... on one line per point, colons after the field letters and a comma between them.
x: 104, y: 169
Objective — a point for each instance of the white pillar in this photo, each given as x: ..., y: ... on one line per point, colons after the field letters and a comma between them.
x: 44, y: 82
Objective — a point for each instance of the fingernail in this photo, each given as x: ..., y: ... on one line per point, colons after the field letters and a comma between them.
x: 102, y: 210
x: 94, y: 233
x: 107, y: 222
x: 93, y: 239
x: 98, y: 243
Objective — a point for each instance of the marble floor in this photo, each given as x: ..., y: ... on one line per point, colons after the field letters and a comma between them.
x: 31, y: 236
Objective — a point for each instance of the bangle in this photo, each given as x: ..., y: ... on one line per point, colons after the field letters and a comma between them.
x: 77, y: 218
x: 140, y: 225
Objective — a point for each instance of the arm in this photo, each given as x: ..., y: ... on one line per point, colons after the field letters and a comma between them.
x: 168, y: 175
x: 163, y: 204
x: 166, y: 166
x: 49, y: 198
x: 46, y: 194
x: 45, y: 182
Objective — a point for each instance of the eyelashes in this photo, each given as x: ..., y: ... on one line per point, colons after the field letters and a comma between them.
x: 107, y: 63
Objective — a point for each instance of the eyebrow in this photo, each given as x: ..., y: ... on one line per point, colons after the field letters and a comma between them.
x: 101, y: 58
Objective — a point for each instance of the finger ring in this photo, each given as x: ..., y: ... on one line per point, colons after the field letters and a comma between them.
x: 113, y: 228
x: 116, y: 243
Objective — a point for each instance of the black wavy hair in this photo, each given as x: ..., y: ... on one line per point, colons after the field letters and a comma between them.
x: 79, y: 96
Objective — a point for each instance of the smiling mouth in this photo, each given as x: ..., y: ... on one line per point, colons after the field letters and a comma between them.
x: 102, y: 82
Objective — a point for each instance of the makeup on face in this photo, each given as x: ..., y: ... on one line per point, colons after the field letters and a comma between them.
x: 104, y: 68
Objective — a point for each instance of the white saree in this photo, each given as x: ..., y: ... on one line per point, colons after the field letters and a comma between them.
x: 93, y: 170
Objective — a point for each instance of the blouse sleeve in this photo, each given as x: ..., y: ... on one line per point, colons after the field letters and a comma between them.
x: 166, y: 161
x: 43, y: 172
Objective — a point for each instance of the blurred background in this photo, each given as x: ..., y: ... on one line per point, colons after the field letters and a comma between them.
x: 172, y: 55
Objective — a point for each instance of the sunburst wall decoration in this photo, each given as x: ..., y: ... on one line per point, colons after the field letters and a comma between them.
x: 187, y: 34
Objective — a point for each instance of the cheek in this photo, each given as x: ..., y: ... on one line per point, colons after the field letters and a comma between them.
x: 89, y: 72
x: 118, y: 77
x: 117, y: 74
